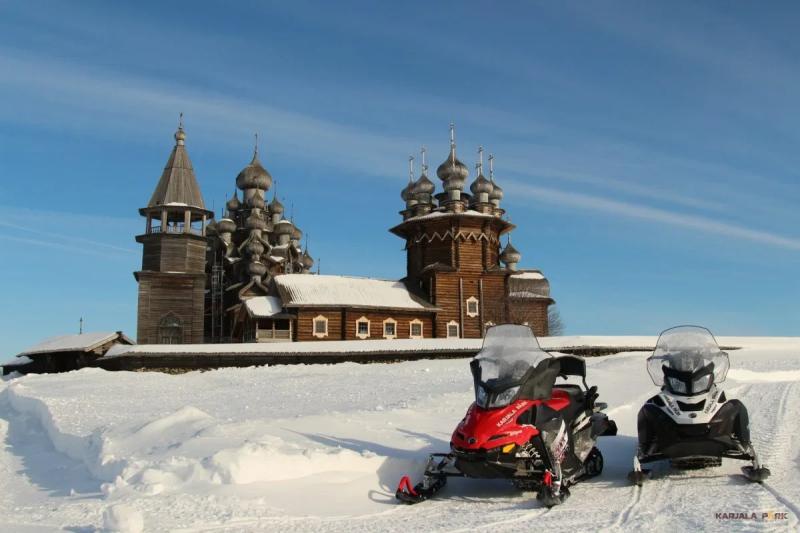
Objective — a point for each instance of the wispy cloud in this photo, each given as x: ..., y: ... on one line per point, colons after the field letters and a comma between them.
x: 651, y: 214
x: 44, y: 237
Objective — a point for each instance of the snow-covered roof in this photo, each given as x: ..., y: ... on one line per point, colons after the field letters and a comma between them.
x: 264, y: 306
x: 302, y: 290
x: 17, y: 361
x: 468, y: 346
x: 440, y: 214
x: 528, y: 275
x: 527, y: 294
x: 76, y: 343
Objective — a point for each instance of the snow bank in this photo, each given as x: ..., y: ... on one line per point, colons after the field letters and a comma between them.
x: 123, y: 519
x: 187, y: 446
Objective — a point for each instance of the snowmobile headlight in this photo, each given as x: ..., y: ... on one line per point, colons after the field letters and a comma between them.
x: 505, y: 397
x: 481, y: 396
x: 677, y: 385
x: 702, y: 383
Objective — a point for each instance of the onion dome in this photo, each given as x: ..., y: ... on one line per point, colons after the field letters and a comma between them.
x: 452, y: 169
x: 254, y: 221
x: 424, y: 186
x: 307, y: 260
x: 257, y: 268
x: 254, y: 176
x: 481, y: 185
x: 297, y: 234
x: 254, y: 247
x: 408, y: 191
x: 180, y: 136
x: 283, y: 227
x: 510, y: 254
x: 226, y: 225
x: 497, y: 192
x: 275, y: 206
x: 233, y: 204
x: 255, y: 201
x: 211, y: 228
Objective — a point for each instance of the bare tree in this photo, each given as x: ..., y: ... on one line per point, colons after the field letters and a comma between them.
x: 555, y: 323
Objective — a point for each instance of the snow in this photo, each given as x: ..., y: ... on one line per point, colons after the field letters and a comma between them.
x: 528, y: 275
x: 326, y: 290
x: 70, y: 343
x: 19, y: 360
x: 311, y: 347
x: 264, y: 306
x: 123, y: 518
x: 400, y: 346
x: 439, y: 214
x: 310, y: 448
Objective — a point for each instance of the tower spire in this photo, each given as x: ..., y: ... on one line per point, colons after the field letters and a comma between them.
x: 422, y: 152
x: 180, y: 135
x: 255, y: 148
x: 410, y: 168
x: 479, y: 164
x: 491, y: 167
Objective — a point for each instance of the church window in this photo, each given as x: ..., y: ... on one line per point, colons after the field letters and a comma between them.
x: 389, y: 328
x: 472, y: 306
x: 415, y: 329
x: 362, y: 328
x: 320, y: 326
x: 452, y: 329
x: 170, y: 330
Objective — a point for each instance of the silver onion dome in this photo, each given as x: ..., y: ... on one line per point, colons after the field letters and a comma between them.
x: 233, y: 204
x: 452, y: 169
x: 254, y: 221
x: 254, y: 176
x: 226, y: 225
x: 257, y: 268
x: 275, y: 206
x: 481, y: 185
x: 510, y: 254
x: 497, y: 192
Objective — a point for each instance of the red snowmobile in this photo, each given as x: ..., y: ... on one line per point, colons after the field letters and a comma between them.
x: 522, y: 426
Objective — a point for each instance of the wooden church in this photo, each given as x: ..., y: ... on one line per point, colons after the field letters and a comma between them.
x: 247, y: 278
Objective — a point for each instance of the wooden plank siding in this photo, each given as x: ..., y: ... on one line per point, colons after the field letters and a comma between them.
x: 162, y: 293
x: 342, y: 323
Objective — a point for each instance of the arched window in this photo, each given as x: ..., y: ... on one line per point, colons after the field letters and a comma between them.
x: 170, y: 330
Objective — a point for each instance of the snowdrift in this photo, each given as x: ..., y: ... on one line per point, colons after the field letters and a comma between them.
x: 313, y: 447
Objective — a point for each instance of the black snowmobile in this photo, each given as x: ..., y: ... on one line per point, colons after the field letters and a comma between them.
x: 690, y: 422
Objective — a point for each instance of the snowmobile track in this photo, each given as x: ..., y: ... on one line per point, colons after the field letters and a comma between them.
x: 625, y: 514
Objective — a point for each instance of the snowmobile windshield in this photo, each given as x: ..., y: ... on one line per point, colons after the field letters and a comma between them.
x: 689, y: 359
x: 508, y: 353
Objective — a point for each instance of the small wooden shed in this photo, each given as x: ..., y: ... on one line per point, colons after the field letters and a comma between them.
x: 65, y: 352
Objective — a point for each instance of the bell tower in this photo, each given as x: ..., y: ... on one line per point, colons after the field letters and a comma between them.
x: 172, y: 278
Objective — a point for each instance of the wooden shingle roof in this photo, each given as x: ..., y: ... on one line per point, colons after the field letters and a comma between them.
x: 178, y: 184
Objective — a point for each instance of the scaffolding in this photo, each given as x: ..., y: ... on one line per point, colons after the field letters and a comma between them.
x: 217, y: 300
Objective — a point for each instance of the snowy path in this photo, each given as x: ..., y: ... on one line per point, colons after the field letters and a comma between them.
x: 322, y: 447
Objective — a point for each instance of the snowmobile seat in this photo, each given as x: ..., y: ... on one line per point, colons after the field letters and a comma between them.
x: 572, y: 366
x: 577, y: 399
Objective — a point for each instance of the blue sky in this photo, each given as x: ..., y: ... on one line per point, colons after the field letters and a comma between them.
x: 649, y: 151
